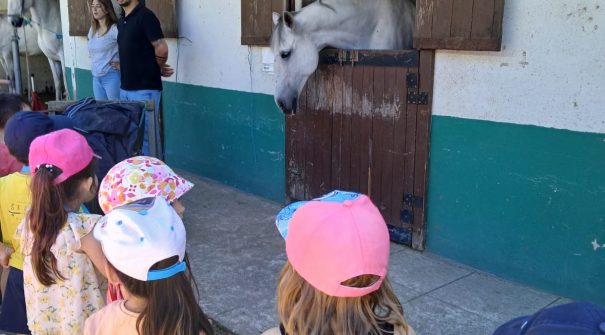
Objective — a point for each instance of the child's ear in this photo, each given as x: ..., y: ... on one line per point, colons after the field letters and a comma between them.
x: 88, y: 183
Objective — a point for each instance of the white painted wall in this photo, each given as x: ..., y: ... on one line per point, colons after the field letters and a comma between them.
x: 551, y: 71
x: 208, y: 52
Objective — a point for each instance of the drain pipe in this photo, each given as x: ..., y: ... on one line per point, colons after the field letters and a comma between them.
x: 17, y: 63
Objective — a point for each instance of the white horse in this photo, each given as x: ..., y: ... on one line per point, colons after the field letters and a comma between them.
x: 46, y: 16
x: 298, y: 37
x: 6, y: 51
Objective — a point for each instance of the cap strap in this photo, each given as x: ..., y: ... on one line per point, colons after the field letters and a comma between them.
x: 167, y: 272
x: 348, y: 291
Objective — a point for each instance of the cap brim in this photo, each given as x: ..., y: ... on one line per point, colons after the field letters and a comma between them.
x: 186, y: 187
x: 61, y: 122
x: 282, y: 220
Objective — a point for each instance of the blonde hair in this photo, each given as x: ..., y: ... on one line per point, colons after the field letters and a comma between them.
x: 304, y: 310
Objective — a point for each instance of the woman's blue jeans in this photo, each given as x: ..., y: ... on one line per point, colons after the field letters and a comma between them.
x: 107, y: 87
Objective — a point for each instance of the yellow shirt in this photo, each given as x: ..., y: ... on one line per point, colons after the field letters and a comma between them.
x: 15, y: 199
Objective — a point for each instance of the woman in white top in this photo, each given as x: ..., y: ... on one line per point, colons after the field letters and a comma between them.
x: 103, y: 50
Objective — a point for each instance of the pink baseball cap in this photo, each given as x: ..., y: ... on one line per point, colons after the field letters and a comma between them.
x: 337, y: 237
x: 65, y: 152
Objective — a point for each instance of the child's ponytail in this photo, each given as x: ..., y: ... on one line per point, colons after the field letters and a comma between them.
x: 48, y: 215
x: 46, y: 218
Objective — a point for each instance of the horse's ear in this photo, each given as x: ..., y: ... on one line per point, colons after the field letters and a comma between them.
x: 276, y: 17
x: 289, y: 20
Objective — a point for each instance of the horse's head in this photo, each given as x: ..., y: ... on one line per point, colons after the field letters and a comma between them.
x: 16, y: 9
x: 296, y: 58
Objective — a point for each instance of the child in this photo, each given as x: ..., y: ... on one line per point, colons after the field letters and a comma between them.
x: 60, y: 283
x: 9, y: 105
x: 137, y: 178
x: 21, y: 129
x: 144, y: 243
x: 141, y: 177
x: 335, y: 279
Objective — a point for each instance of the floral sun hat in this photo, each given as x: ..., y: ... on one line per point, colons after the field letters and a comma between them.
x: 137, y: 178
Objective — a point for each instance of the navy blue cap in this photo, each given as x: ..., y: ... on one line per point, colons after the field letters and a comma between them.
x: 23, y: 127
x: 578, y: 318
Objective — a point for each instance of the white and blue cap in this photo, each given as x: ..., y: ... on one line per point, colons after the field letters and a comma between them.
x: 285, y: 215
x: 136, y: 236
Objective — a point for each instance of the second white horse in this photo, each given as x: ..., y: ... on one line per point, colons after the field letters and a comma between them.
x: 6, y: 51
x: 46, y: 17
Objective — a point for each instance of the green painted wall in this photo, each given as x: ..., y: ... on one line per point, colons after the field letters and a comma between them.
x: 84, y: 83
x: 522, y: 202
x: 234, y: 137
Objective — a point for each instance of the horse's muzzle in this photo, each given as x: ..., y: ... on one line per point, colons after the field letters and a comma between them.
x: 16, y: 21
x: 288, y: 109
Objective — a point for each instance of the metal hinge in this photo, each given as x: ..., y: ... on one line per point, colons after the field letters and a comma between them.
x: 406, y: 216
x: 412, y: 80
x: 418, y: 98
x: 413, y: 201
x: 414, y: 97
x: 400, y: 235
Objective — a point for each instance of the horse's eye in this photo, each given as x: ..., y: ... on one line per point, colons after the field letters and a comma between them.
x: 285, y: 54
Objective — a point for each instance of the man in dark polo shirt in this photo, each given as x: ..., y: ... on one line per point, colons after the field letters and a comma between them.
x: 143, y: 54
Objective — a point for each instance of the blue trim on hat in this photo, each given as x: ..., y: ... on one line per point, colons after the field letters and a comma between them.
x: 166, y: 273
x: 282, y: 220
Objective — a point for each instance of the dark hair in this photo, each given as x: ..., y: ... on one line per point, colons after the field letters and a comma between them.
x: 174, y: 294
x: 112, y: 18
x: 47, y: 216
x: 9, y: 105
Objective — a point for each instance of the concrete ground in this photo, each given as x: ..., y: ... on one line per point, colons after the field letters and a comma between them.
x: 237, y: 253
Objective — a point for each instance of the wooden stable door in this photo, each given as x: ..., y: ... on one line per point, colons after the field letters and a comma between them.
x: 363, y: 125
